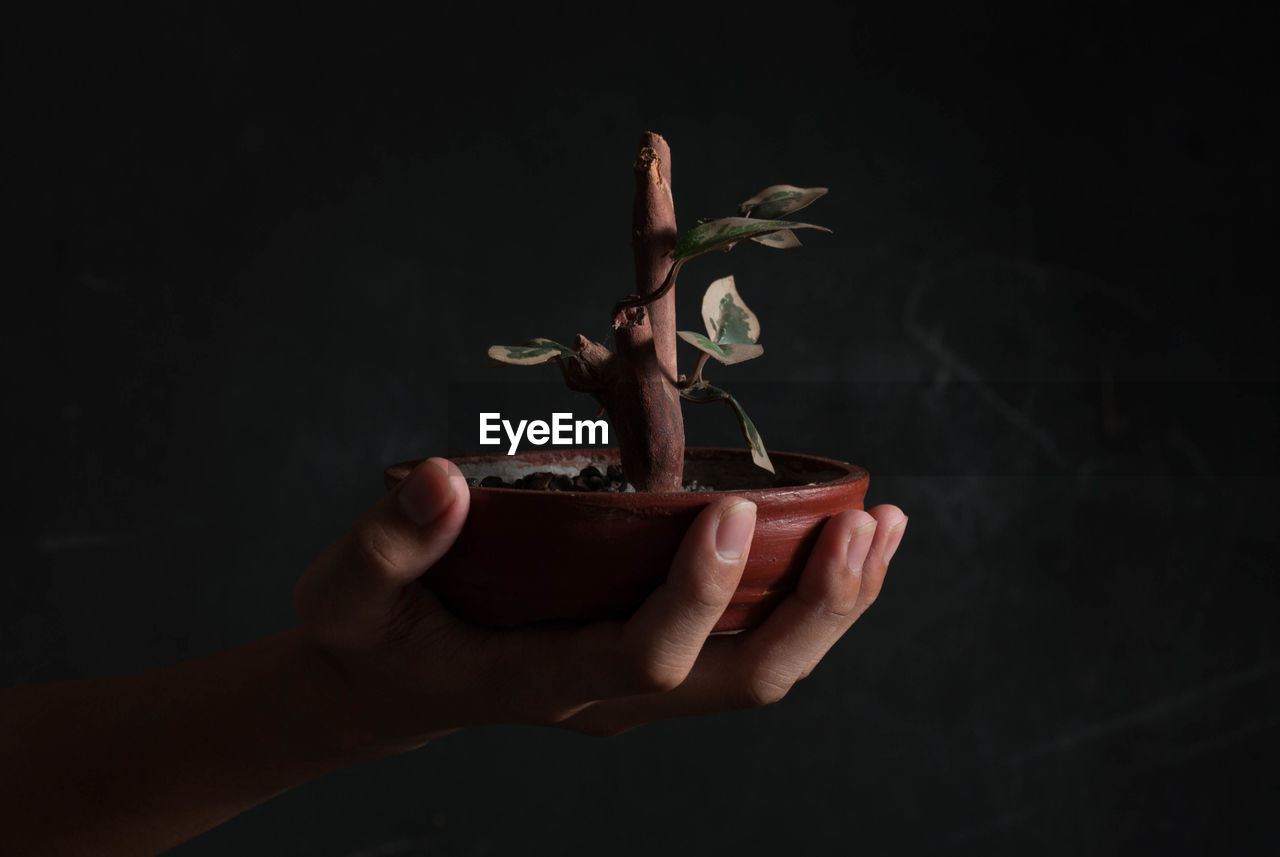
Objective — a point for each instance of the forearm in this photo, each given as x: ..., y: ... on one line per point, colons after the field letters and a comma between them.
x: 135, y: 765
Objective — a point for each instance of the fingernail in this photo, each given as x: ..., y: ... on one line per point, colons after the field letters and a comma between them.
x: 859, y: 543
x: 425, y: 493
x: 895, y: 539
x: 456, y: 479
x: 733, y: 531
x: 459, y: 484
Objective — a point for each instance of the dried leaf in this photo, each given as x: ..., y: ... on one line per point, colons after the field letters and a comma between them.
x: 777, y: 200
x: 532, y: 352
x: 727, y: 353
x: 726, y: 315
x: 727, y: 231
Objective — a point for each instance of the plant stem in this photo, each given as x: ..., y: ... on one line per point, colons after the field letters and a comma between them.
x: 696, y: 378
x: 653, y: 237
x: 661, y: 292
x: 644, y: 403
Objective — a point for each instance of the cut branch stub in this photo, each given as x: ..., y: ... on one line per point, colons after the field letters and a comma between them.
x: 704, y: 392
x: 531, y: 353
x: 779, y: 199
x: 726, y: 353
x: 723, y: 233
x: 728, y: 319
x: 590, y: 370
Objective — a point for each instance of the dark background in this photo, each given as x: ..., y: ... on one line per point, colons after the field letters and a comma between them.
x: 254, y: 249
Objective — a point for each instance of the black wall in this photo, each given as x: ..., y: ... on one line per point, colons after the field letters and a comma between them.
x: 257, y: 254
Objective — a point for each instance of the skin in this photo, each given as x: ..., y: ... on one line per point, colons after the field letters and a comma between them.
x: 377, y: 666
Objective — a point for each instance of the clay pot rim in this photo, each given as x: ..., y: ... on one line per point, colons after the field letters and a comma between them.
x: 849, y: 473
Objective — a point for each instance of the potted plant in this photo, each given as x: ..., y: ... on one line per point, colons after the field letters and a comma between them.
x: 599, y: 527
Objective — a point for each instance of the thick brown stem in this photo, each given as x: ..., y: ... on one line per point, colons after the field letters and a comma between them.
x: 653, y: 237
x: 644, y: 408
x: 643, y: 402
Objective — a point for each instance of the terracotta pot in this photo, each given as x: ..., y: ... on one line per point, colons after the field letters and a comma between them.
x: 527, y: 556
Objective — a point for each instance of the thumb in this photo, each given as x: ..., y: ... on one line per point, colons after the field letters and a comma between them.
x: 355, y: 582
x: 411, y: 527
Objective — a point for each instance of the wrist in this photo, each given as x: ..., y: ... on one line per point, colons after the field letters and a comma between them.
x: 341, y: 711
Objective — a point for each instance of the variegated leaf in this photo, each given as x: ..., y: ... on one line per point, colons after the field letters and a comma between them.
x: 707, y: 393
x: 728, y: 319
x: 727, y: 231
x: 777, y: 200
x: 726, y: 353
x: 784, y: 240
x: 532, y: 352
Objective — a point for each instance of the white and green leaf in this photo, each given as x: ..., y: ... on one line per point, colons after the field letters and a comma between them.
x: 784, y: 240
x: 729, y: 321
x: 779, y: 199
x: 726, y: 353
x: 531, y: 353
x: 707, y: 393
x: 723, y: 233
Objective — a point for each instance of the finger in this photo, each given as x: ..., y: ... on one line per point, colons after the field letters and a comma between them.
x: 657, y: 647
x: 761, y: 666
x: 827, y: 601
x: 806, y: 624
x: 706, y: 690
x: 358, y: 578
x: 891, y: 523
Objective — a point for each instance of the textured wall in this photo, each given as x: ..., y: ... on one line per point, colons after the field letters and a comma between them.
x: 256, y: 250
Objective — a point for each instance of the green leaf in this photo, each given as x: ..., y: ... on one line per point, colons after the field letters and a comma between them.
x: 728, y: 320
x: 727, y: 231
x: 777, y: 200
x: 707, y: 393
x: 532, y: 352
x: 724, y: 352
x: 784, y: 240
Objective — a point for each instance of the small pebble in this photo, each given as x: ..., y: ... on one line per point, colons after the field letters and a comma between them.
x: 539, y: 481
x: 589, y: 479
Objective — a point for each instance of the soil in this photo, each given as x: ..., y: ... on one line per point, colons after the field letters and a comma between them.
x: 590, y: 478
x: 599, y: 471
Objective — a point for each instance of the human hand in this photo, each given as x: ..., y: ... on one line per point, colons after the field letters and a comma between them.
x: 410, y: 670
